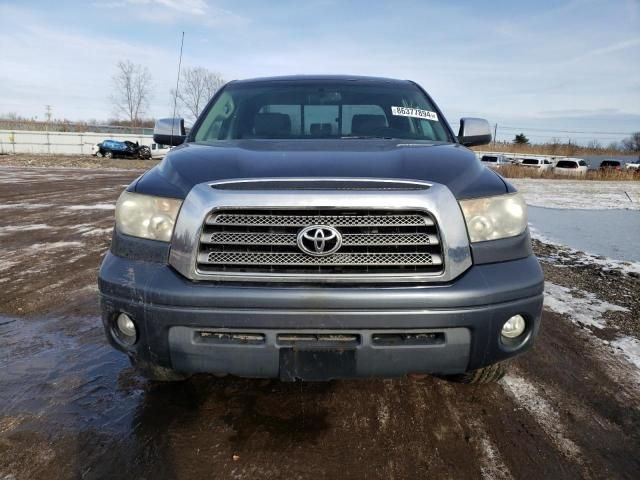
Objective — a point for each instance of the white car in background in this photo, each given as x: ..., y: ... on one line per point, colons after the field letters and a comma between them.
x: 571, y: 166
x: 158, y: 150
x: 540, y: 164
x: 635, y: 165
x: 495, y: 161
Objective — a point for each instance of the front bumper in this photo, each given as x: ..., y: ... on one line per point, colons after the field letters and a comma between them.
x: 458, y: 323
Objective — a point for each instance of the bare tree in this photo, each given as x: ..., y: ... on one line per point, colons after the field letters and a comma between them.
x: 632, y: 144
x: 197, y: 86
x: 131, y: 90
x: 594, y: 145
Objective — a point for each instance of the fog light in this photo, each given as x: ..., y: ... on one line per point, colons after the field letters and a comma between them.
x: 126, y: 326
x: 513, y: 327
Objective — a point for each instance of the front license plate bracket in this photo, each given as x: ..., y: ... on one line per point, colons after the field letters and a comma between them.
x: 316, y: 365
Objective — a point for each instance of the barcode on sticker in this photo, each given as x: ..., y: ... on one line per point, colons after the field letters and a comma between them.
x: 414, y: 112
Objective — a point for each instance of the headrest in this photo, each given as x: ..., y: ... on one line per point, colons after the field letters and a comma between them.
x: 272, y: 125
x: 367, y: 124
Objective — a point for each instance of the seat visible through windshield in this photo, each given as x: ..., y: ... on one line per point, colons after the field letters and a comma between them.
x: 322, y: 110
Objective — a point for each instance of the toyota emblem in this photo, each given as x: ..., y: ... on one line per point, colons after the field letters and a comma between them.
x: 319, y: 240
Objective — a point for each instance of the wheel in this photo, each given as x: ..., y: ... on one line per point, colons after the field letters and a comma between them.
x: 145, y: 153
x: 156, y: 373
x: 108, y: 154
x: 489, y: 374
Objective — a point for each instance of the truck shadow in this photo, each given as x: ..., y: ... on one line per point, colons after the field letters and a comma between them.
x: 239, y: 407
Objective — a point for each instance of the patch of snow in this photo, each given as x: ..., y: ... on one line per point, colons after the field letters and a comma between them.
x: 24, y: 205
x: 579, y: 194
x: 493, y: 467
x: 7, y: 264
x: 23, y: 228
x: 579, y: 305
x: 630, y: 348
x: 528, y: 397
x: 96, y: 206
x: 383, y: 413
x: 585, y: 308
x: 40, y: 247
x: 98, y: 231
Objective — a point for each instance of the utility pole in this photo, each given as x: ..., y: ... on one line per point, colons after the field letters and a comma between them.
x: 47, y: 113
x: 495, y: 134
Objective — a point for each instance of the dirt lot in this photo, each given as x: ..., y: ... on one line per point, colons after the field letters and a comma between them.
x: 81, y: 161
x: 71, y: 407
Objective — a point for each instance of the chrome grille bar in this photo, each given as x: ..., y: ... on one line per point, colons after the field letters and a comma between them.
x: 337, y: 259
x: 306, y: 220
x: 264, y: 238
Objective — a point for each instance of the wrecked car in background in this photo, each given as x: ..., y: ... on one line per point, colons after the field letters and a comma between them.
x: 126, y: 149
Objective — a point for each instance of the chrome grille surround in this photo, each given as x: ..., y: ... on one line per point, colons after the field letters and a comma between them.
x: 444, y: 250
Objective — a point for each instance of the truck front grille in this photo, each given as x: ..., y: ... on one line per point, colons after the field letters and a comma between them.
x: 372, y: 241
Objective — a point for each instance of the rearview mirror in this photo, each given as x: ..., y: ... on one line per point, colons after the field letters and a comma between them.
x: 169, y: 131
x: 474, y: 131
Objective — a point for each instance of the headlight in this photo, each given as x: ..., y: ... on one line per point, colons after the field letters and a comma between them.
x: 146, y: 216
x: 492, y: 218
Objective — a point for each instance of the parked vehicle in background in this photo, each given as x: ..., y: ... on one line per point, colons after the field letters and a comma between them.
x: 312, y: 228
x: 126, y: 149
x: 540, y: 164
x: 635, y: 165
x: 495, y: 161
x: 571, y: 166
x: 610, y: 165
x: 158, y: 150
x: 95, y: 150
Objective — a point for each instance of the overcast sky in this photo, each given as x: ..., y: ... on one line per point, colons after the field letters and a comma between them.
x: 565, y: 66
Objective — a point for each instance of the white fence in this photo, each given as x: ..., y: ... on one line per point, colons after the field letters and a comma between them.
x: 24, y: 141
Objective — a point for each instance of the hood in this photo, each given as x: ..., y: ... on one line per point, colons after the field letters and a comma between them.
x: 449, y: 164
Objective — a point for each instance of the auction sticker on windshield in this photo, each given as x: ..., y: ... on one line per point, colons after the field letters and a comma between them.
x: 414, y: 112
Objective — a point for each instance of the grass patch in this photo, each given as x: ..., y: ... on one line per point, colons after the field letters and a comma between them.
x: 514, y: 171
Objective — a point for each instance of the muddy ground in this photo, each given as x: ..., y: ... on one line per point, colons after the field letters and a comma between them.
x: 71, y: 161
x: 71, y: 407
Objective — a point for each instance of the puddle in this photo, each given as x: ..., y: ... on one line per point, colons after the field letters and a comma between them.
x: 57, y: 368
x: 611, y: 233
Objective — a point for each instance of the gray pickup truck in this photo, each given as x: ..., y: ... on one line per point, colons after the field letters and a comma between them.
x: 321, y: 227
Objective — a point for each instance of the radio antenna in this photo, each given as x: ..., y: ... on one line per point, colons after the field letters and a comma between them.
x: 175, y: 96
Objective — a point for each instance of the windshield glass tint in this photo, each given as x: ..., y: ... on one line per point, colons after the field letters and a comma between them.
x: 322, y: 110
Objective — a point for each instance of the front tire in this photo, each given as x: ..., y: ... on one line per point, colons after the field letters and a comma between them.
x: 108, y: 154
x: 481, y: 376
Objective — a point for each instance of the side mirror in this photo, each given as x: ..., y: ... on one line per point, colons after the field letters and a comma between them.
x: 169, y: 131
x: 474, y: 131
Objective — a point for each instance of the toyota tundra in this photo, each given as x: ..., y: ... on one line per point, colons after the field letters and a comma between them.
x: 321, y: 227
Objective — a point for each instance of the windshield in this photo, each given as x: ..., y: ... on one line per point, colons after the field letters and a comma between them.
x: 567, y: 164
x: 322, y: 110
